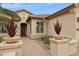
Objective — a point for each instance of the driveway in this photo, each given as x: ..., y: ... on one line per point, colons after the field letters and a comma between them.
x: 32, y: 48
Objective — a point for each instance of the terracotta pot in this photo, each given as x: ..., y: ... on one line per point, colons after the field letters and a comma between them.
x: 58, y: 37
x: 11, y: 40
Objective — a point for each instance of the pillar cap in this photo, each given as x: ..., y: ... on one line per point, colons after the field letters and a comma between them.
x: 53, y: 40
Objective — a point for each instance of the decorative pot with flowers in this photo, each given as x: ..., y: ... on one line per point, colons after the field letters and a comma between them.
x: 11, y: 30
x: 57, y: 28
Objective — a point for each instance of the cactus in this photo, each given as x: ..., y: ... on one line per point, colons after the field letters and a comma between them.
x: 11, y: 28
x: 57, y: 27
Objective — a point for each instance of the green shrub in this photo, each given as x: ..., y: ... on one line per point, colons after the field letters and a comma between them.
x: 45, y: 39
x: 1, y: 39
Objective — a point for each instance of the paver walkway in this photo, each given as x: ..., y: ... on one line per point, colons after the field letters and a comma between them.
x: 31, y: 48
x: 77, y: 53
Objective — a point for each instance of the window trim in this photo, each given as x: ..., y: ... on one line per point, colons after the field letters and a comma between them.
x: 40, y: 27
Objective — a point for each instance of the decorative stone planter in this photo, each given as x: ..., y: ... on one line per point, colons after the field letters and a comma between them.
x: 58, y: 37
x: 11, y: 49
x: 11, y: 40
x: 59, y: 47
x: 73, y: 46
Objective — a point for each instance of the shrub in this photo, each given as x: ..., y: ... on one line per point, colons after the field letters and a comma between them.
x: 1, y: 39
x: 45, y: 39
x: 50, y: 36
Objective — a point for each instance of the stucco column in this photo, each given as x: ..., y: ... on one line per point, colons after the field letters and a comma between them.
x: 59, y: 47
x: 73, y: 46
x: 18, y: 29
x: 11, y: 49
x: 76, y: 11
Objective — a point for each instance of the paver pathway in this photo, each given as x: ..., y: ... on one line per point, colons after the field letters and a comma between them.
x: 32, y: 48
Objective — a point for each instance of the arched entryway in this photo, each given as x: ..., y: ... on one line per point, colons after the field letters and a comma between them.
x: 23, y: 29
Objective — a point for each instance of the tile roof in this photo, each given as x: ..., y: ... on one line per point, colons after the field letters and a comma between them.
x: 39, y: 16
x: 24, y: 10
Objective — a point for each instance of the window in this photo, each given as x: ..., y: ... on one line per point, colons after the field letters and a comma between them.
x: 39, y: 28
x: 77, y: 19
x: 77, y: 29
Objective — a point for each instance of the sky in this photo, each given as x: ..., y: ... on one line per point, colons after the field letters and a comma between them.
x: 36, y: 8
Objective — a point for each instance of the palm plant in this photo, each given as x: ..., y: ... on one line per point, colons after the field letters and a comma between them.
x: 10, y: 26
x: 4, y: 19
x: 0, y: 5
x: 10, y: 13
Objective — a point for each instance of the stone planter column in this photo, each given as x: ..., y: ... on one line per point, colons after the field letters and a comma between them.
x: 73, y: 46
x: 59, y: 47
x: 13, y: 49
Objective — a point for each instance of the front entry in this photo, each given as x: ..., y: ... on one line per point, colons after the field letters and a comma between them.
x: 23, y: 29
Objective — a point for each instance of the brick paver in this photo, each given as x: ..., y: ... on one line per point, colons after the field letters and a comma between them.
x: 77, y: 53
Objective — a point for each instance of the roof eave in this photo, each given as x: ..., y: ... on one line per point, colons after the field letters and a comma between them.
x: 29, y: 18
x: 65, y: 10
x: 25, y: 11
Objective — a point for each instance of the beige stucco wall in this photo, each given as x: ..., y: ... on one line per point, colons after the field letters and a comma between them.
x: 33, y: 28
x: 76, y: 10
x: 68, y: 25
x: 28, y: 28
x: 68, y: 20
x: 24, y: 16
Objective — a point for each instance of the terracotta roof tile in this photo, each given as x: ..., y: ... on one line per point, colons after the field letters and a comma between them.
x: 24, y: 10
x: 39, y: 16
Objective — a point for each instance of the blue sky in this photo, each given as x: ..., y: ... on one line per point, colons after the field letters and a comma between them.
x: 36, y: 8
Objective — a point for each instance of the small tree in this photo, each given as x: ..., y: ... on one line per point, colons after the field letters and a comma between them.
x: 57, y: 27
x: 11, y: 28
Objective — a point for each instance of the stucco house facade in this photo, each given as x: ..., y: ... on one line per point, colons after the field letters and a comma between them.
x: 27, y: 25
x: 34, y: 26
x: 22, y: 25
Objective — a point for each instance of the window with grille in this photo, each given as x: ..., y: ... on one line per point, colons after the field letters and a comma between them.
x: 40, y: 27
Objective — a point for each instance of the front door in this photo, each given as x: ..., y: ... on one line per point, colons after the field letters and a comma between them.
x: 23, y: 29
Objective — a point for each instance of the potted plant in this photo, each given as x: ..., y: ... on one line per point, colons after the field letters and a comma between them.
x: 58, y: 44
x: 57, y: 28
x: 11, y: 30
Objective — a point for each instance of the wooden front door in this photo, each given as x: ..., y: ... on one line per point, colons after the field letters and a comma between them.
x: 23, y: 29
